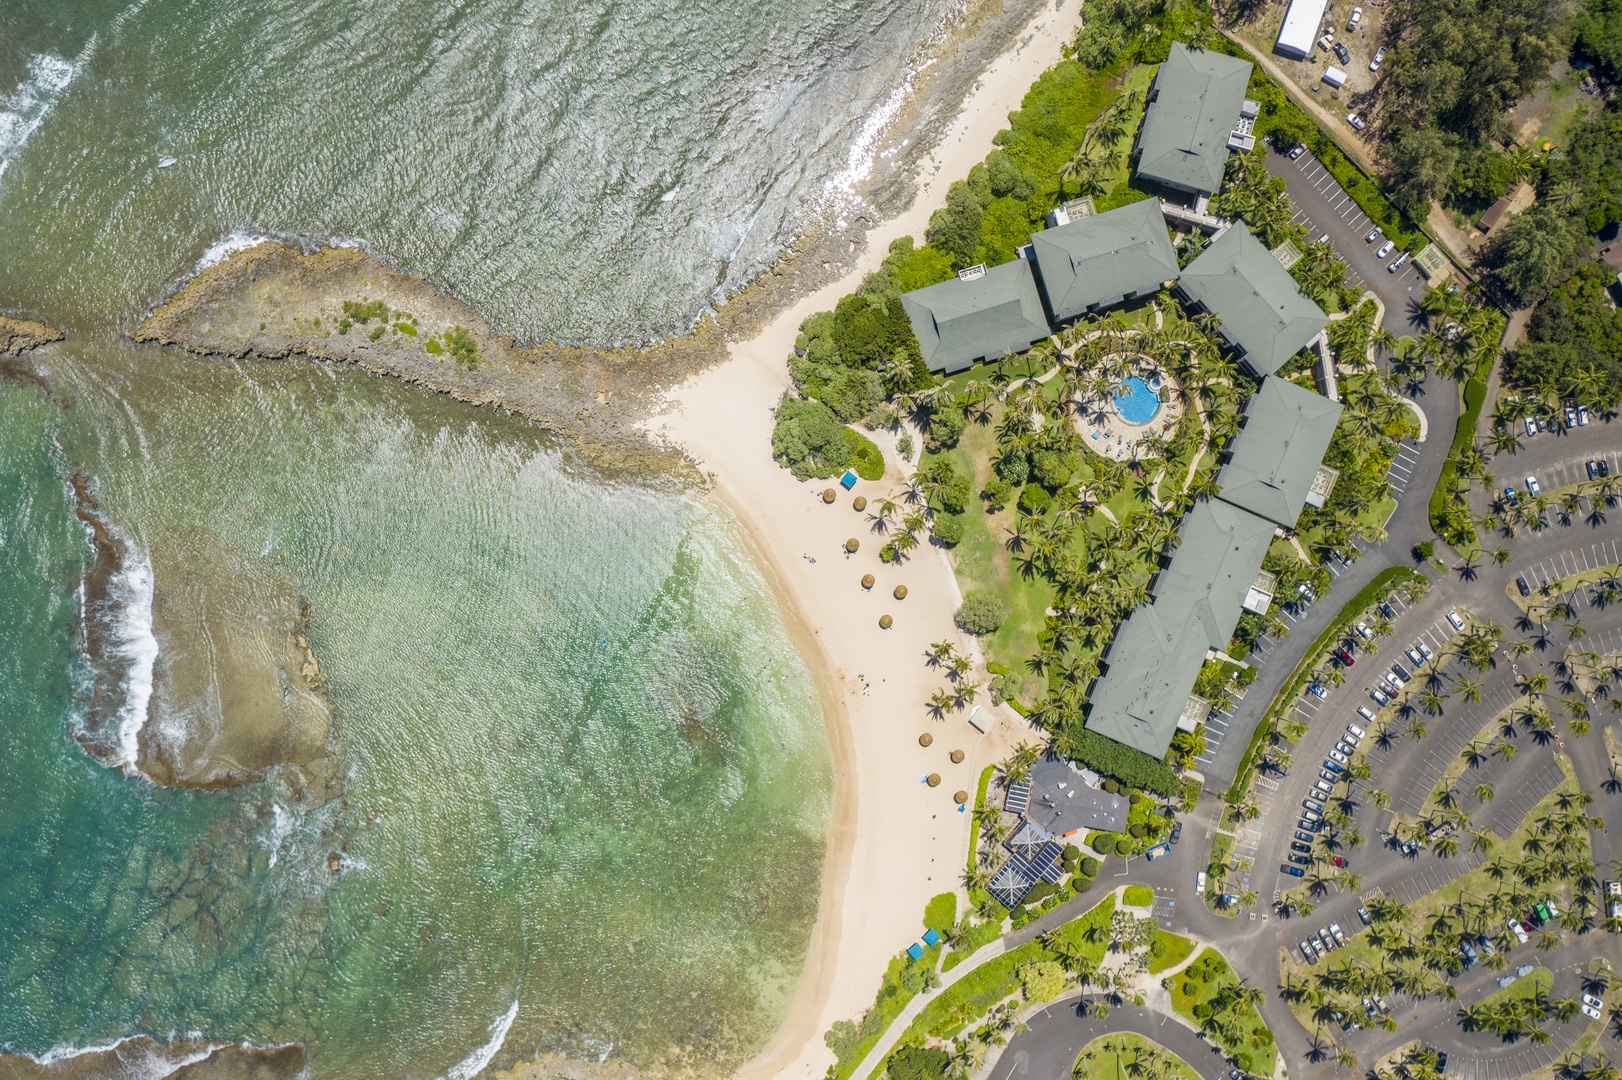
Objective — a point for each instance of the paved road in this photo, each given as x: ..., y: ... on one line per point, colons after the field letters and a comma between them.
x: 1049, y: 1049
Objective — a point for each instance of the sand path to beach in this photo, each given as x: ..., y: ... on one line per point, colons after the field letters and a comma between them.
x: 895, y: 842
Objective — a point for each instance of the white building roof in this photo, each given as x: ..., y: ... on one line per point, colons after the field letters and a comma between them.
x: 1300, y: 29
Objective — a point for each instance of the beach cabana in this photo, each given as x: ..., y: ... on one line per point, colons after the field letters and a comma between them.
x: 916, y: 951
x: 931, y: 938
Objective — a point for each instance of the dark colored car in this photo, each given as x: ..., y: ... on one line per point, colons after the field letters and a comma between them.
x: 1293, y: 871
x: 1342, y: 53
x: 1387, y: 610
x: 1302, y: 848
x: 1441, y: 1061
x: 1300, y: 860
x: 1176, y: 832
x: 1525, y: 589
x: 1304, y: 836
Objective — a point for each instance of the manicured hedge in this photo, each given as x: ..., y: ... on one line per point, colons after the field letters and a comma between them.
x: 1456, y: 533
x: 1132, y: 767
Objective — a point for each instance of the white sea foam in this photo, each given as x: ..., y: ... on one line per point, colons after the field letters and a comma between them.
x: 864, y: 149
x: 22, y: 113
x: 475, y: 1063
x: 135, y: 643
x: 228, y: 246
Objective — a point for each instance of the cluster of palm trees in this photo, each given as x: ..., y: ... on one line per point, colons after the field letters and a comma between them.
x: 1002, y: 1023
x: 1582, y: 1065
x: 1418, y: 956
x: 960, y: 690
x: 1097, y: 158
x: 1139, y: 1061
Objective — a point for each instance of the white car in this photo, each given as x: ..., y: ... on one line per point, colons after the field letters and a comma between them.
x: 1363, y: 631
x: 1426, y: 649
x: 1589, y: 1010
x: 1357, y: 17
x: 1532, y: 487
x: 1199, y: 883
x: 1590, y: 999
x: 1385, y: 249
x: 1352, y: 729
x: 1582, y: 415
x: 1324, y: 786
x: 1531, y: 428
x: 1380, y: 696
x: 1397, y: 263
x: 1338, y: 757
x: 1363, y: 711
x: 1356, y: 121
x: 1515, y: 927
x: 1453, y: 617
x: 1379, y: 55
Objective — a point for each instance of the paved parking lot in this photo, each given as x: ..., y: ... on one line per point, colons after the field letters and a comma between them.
x: 1323, y: 207
x: 1576, y: 561
x: 1560, y: 473
x: 1402, y: 467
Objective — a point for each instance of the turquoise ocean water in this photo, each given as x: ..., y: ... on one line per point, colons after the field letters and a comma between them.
x: 584, y: 780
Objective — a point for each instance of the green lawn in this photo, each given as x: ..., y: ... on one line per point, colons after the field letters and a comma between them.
x: 1251, y: 1043
x: 1168, y: 950
x: 1138, y: 896
x: 1123, y: 1056
x: 1540, y: 979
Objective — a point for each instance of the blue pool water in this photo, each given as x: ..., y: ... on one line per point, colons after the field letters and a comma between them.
x: 1136, y: 401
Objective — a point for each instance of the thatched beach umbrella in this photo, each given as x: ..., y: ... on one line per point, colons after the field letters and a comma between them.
x: 957, y: 757
x: 934, y: 779
x: 925, y: 739
x: 852, y: 544
x: 960, y: 797
x: 900, y: 592
x: 868, y: 580
x: 885, y: 622
x: 859, y: 503
x: 829, y: 495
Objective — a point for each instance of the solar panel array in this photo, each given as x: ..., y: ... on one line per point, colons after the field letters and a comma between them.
x: 1018, y: 797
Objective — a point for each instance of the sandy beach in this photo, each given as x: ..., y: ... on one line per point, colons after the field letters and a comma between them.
x: 895, y: 842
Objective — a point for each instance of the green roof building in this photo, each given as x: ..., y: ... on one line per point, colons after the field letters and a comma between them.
x: 1098, y: 261
x: 1264, y: 315
x: 1276, y: 456
x: 982, y: 314
x: 1194, y: 107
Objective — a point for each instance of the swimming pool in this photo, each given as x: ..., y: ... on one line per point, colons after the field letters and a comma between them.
x: 1136, y: 401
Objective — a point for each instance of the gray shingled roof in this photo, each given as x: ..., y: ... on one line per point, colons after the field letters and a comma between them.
x: 1277, y: 453
x: 1159, y: 649
x: 1194, y: 104
x: 1104, y: 259
x: 1263, y: 312
x: 959, y: 322
x: 1153, y: 663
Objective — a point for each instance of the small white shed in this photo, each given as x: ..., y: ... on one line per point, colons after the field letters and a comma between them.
x: 1335, y: 77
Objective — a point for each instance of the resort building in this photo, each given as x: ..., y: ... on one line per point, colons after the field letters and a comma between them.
x: 1264, y: 315
x: 1088, y: 263
x: 982, y: 314
x: 1145, y: 693
x: 1277, y: 456
x: 1197, y: 111
x: 1065, y: 800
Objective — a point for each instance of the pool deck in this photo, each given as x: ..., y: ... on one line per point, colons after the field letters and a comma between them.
x: 1104, y: 431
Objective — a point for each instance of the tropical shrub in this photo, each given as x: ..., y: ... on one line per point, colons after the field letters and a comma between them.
x: 808, y: 439
x: 981, y: 613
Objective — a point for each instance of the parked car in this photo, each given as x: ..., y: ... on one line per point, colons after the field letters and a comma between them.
x: 1413, y: 654
x: 1522, y: 587
x: 1176, y: 833
x: 1511, y: 496
x: 1554, y: 912
x: 1532, y: 486
x: 1344, y: 55
x: 1299, y: 860
x: 1379, y: 695
x: 1199, y: 883
x: 1363, y: 913
x: 1353, y: 730
x: 1582, y: 415
x: 1309, y: 823
x: 1514, y: 926
x: 1441, y: 1061
x: 1296, y: 845
x: 1386, y: 688
x: 1327, y: 938
x: 1312, y: 816
x: 1300, y: 148
x: 1486, y: 945
x: 1378, y: 230
x: 1357, y: 17
x: 1317, y: 690
x: 1363, y: 711
x: 1351, y: 117
x: 1333, y: 778
x: 1344, y: 747
x: 1397, y: 263
x: 1333, y: 766
x: 1344, y: 655
x: 1363, y: 631
x: 1293, y: 871
x: 1314, y: 805
x: 1379, y: 58
x: 1385, y: 249
x: 1339, y: 861
x: 1337, y: 757
x: 1306, y: 951
x: 1589, y: 1011
x: 1425, y: 649
x: 1531, y: 428
x: 1325, y: 786
x: 1401, y: 673
x: 1454, y: 619
x: 1387, y: 610
x: 1590, y: 999
x: 1305, y: 589
x: 1304, y: 836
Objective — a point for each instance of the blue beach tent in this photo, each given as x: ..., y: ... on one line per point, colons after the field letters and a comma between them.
x: 916, y: 951
x: 931, y: 938
x: 848, y: 481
